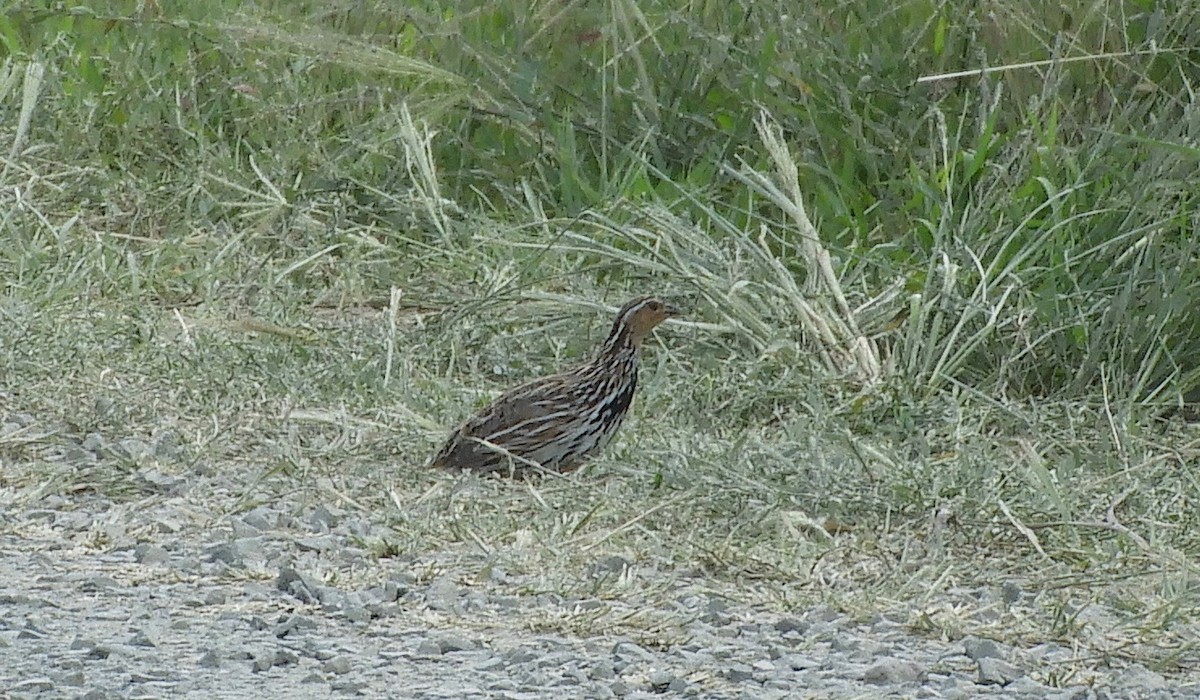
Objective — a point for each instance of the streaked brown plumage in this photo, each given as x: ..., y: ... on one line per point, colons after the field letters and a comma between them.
x: 558, y: 422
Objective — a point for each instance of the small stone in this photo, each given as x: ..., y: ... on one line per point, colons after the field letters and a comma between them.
x: 93, y: 584
x: 93, y: 442
x: 76, y: 455
x: 659, y: 680
x: 893, y: 671
x: 800, y: 662
x: 997, y: 672
x: 33, y: 686
x: 1026, y: 687
x: 141, y: 638
x: 452, y: 643
x: 609, y: 565
x: 166, y: 445
x: 1142, y: 678
x: 151, y: 554
x: 791, y: 624
x: 210, y: 660
x: 601, y: 671
x: 629, y: 649
x: 23, y: 419
x: 260, y: 518
x: 338, y: 665
x: 263, y: 661
x: 226, y: 553
x: 324, y: 518
x: 428, y: 647
x: 357, y: 613
x: 520, y: 656
x: 315, y: 544
x: 1010, y: 592
x: 283, y: 657
x: 844, y: 645
x: 132, y: 448
x: 442, y: 594
x: 294, y: 583
x: 162, y: 482
x: 348, y: 687
x: 976, y: 648
x: 293, y: 624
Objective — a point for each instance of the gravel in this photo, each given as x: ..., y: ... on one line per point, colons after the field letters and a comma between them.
x: 101, y: 599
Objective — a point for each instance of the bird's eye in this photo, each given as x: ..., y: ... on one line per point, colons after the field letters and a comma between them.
x: 655, y: 306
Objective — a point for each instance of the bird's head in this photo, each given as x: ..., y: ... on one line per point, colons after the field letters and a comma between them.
x: 637, y: 318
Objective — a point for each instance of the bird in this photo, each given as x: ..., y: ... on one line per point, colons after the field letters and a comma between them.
x: 556, y: 423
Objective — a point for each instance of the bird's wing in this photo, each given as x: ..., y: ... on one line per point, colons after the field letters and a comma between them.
x: 519, y: 412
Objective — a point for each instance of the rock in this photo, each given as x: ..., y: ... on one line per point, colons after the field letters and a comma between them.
x: 293, y: 625
x: 791, y: 624
x: 93, y: 442
x: 151, y: 554
x: 316, y: 544
x: 166, y: 445
x: 324, y: 518
x: 800, y: 662
x: 893, y: 671
x: 976, y: 649
x: 608, y: 566
x: 261, y: 518
x: 338, y: 665
x: 357, y: 613
x: 518, y: 656
x: 283, y: 657
x: 659, y: 680
x: 32, y: 686
x: 141, y: 638
x: 263, y: 661
x: 296, y: 584
x: 428, y: 647
x: 453, y: 642
x: 1141, y: 678
x: 997, y: 672
x: 442, y: 594
x: 132, y: 448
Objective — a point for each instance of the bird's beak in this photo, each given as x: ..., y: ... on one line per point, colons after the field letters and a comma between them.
x: 672, y: 310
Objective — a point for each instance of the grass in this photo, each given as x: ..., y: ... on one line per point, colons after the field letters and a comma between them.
x: 937, y: 329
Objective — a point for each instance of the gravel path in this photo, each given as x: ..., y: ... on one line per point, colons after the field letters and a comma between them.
x: 155, y: 598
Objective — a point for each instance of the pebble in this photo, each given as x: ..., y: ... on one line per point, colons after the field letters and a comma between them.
x: 298, y: 594
x: 892, y: 671
x: 994, y: 671
x: 976, y: 648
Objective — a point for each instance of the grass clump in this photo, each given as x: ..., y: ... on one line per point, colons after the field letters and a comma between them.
x: 938, y: 326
